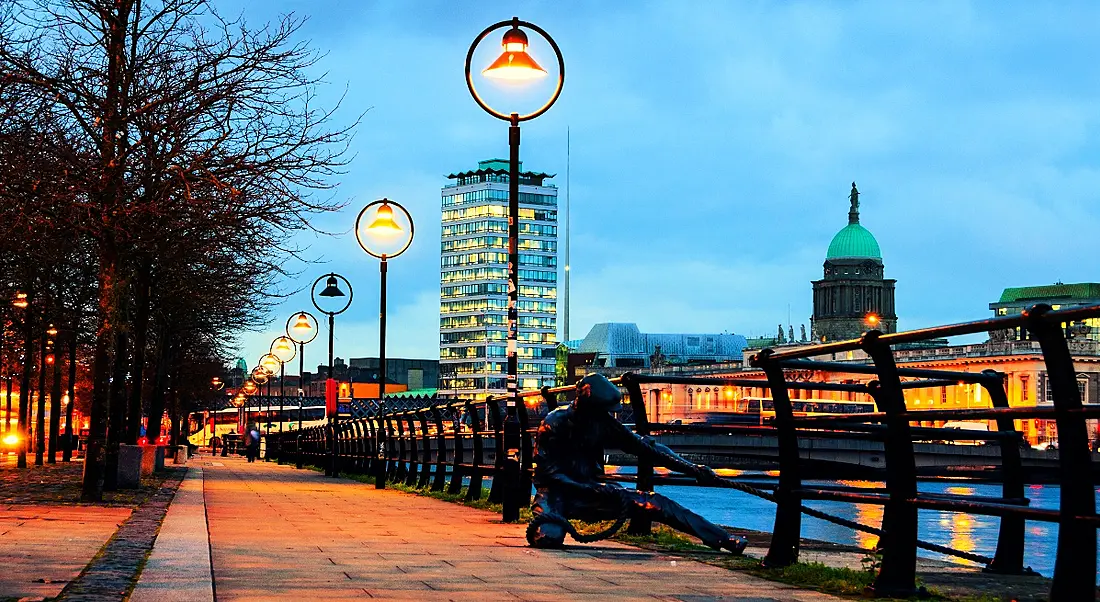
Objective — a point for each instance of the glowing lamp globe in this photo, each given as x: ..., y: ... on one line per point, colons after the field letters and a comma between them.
x: 270, y: 363
x: 514, y: 64
x: 383, y: 224
x: 283, y: 349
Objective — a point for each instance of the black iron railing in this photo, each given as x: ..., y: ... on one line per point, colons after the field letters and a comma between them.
x: 453, y: 444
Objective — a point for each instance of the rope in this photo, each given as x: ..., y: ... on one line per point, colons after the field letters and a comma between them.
x: 730, y: 484
x: 550, y: 517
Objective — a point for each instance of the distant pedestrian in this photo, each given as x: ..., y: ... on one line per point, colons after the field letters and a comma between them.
x: 214, y: 442
x: 253, y: 450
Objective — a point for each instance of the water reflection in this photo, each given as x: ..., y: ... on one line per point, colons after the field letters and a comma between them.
x: 969, y: 533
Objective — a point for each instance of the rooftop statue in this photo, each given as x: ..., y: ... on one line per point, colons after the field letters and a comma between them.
x: 569, y: 456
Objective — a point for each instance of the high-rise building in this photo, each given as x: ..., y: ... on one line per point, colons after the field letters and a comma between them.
x: 473, y: 308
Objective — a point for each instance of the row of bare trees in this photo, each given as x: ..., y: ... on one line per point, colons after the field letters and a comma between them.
x: 155, y: 160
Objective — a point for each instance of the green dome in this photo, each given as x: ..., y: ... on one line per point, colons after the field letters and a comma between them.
x: 854, y: 241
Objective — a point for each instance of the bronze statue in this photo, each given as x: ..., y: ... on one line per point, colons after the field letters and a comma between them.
x: 569, y: 457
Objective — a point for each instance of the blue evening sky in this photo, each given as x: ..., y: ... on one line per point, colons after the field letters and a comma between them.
x: 713, y: 148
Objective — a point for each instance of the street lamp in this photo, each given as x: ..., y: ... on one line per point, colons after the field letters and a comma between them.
x: 331, y: 291
x: 515, y: 65
x: 283, y: 350
x: 269, y: 363
x: 383, y: 233
x: 301, y: 328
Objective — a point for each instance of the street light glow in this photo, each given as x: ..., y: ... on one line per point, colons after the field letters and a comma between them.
x: 20, y: 301
x: 383, y: 223
x: 283, y: 349
x: 515, y: 63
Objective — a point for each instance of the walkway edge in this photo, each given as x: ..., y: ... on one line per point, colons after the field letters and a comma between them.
x: 179, y: 567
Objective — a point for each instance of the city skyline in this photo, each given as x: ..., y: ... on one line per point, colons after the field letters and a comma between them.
x: 970, y: 143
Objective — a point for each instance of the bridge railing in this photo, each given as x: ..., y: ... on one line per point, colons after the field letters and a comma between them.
x: 451, y: 445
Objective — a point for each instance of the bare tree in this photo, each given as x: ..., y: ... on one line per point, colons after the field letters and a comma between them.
x: 192, y: 141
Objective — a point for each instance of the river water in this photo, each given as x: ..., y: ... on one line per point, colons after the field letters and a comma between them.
x: 966, y: 532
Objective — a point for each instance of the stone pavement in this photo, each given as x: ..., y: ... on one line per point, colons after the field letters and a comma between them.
x: 277, y: 533
x: 178, y: 569
x: 47, y: 546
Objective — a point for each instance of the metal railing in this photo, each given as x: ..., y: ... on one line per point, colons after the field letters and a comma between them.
x: 449, y: 445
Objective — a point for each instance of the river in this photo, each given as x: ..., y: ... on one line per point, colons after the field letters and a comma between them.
x: 966, y: 532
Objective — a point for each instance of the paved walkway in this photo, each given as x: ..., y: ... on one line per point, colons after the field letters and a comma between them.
x: 47, y: 546
x: 277, y: 533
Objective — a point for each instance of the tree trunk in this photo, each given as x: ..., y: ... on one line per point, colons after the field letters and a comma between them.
x: 95, y: 450
x: 117, y: 427
x: 156, y: 396
x: 69, y: 435
x: 137, y: 370
x: 40, y: 419
x: 55, y: 404
x: 25, y: 380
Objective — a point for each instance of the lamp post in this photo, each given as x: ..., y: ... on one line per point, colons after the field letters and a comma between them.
x: 383, y: 233
x: 331, y: 290
x: 301, y: 328
x: 283, y: 350
x: 269, y: 363
x: 515, y: 65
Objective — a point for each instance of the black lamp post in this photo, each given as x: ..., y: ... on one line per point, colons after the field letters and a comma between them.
x: 383, y: 233
x: 301, y: 328
x: 331, y: 290
x: 516, y: 65
x: 269, y: 363
x: 283, y: 350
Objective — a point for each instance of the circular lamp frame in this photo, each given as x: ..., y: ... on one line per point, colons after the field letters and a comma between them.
x: 270, y: 372
x: 313, y: 294
x: 363, y: 244
x: 293, y: 351
x: 312, y: 322
x: 513, y: 117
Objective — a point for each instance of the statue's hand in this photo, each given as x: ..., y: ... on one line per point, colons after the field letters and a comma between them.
x: 705, y: 475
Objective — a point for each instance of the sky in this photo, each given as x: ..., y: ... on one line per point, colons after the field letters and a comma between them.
x: 712, y: 149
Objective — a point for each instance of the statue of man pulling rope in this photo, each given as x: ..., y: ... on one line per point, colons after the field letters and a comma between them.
x: 569, y: 456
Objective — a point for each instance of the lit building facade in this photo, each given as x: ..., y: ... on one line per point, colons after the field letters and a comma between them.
x: 473, y: 308
x: 1059, y: 296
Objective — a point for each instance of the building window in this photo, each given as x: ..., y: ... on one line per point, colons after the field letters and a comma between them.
x: 1083, y: 388
x: 1025, y: 392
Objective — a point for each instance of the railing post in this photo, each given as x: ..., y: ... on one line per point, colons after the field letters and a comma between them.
x: 457, y: 456
x: 1009, y: 558
x: 898, y: 545
x: 414, y: 453
x: 440, y: 476
x: 1075, y: 564
x: 400, y: 470
x: 787, y: 530
x: 644, y: 480
x: 492, y: 408
x: 380, y: 471
x: 426, y: 452
x: 526, y: 458
x: 473, y: 492
x: 298, y: 450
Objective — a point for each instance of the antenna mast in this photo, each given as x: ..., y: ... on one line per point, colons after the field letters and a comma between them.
x: 568, y: 219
